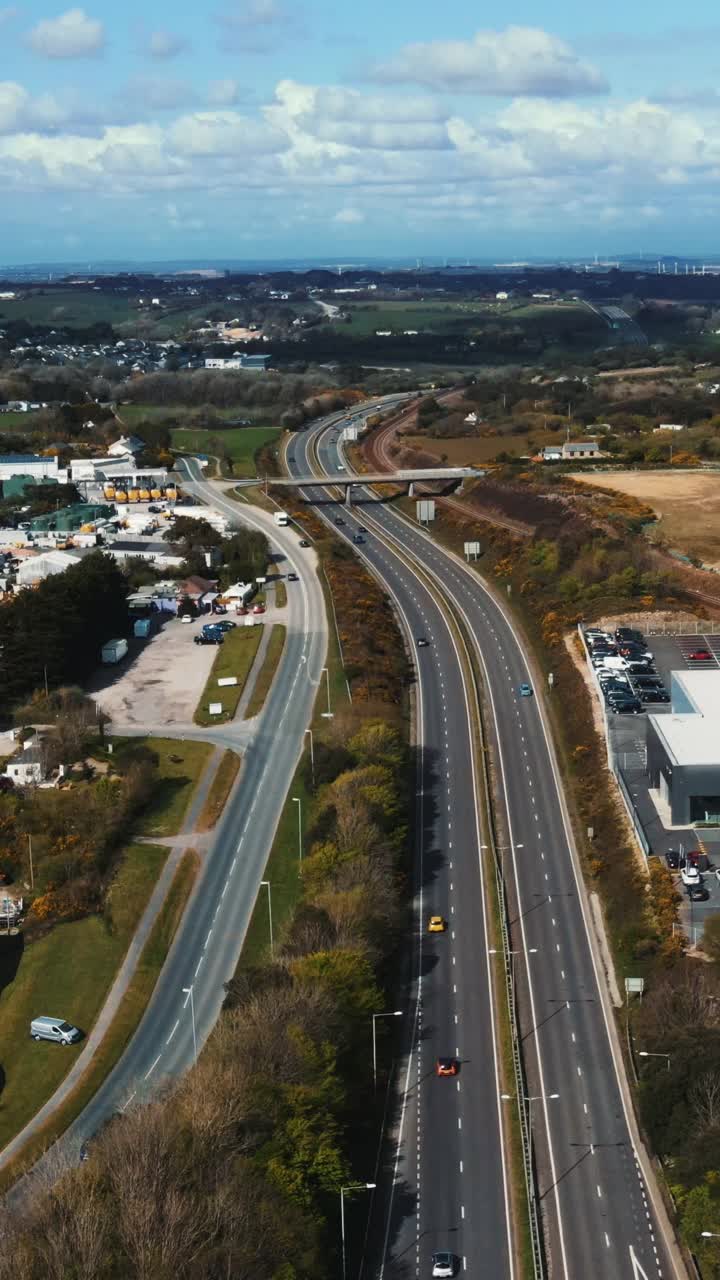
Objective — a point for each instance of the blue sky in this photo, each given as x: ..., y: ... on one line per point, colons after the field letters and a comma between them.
x: 269, y: 128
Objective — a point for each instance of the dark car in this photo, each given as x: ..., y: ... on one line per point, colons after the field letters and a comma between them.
x: 361, y: 528
x: 641, y: 667
x: 357, y: 539
x: 422, y: 643
x: 626, y: 707
x: 628, y: 633
x: 672, y: 858
x: 644, y: 680
x: 304, y: 542
x: 208, y: 637
x: 292, y: 577
x: 698, y: 893
x: 224, y: 625
x: 339, y: 520
x: 654, y: 695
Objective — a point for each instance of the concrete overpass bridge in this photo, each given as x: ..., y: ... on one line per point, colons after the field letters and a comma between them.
x: 346, y: 480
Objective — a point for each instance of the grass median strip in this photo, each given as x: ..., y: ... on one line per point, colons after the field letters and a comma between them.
x: 266, y: 674
x: 234, y: 658
x: 121, y: 1029
x: 220, y: 788
x: 280, y: 594
x: 180, y: 764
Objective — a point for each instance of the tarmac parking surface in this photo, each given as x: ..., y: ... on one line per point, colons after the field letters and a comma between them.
x: 160, y: 681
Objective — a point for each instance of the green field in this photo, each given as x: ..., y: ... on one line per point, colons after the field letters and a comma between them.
x: 80, y: 308
x: 66, y: 974
x: 433, y: 317
x: 180, y: 766
x: 242, y: 444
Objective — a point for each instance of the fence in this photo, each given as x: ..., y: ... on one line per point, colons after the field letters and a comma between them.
x: 682, y: 629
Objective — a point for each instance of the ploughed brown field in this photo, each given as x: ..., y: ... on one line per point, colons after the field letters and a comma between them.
x: 687, y: 504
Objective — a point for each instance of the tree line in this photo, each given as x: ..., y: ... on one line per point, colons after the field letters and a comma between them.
x: 237, y: 1172
x: 52, y: 634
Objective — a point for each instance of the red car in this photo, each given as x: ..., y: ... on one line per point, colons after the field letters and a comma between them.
x: 446, y: 1067
x: 700, y: 655
x: 258, y: 608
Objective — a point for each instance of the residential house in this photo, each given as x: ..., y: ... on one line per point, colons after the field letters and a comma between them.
x: 126, y: 447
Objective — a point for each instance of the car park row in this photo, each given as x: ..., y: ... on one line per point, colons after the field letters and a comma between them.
x: 625, y: 670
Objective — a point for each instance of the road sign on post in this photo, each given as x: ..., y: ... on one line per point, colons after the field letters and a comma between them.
x: 472, y: 550
x: 350, y: 433
x: 634, y: 987
x: 425, y: 511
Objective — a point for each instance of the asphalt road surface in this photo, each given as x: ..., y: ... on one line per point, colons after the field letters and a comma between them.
x: 450, y: 1188
x: 598, y: 1210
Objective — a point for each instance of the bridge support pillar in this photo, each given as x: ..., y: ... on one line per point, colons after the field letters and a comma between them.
x: 411, y: 490
x: 348, y: 495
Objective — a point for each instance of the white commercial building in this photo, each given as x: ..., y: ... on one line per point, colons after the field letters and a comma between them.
x: 28, y: 464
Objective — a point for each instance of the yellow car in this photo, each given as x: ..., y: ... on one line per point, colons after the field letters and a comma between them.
x: 437, y: 924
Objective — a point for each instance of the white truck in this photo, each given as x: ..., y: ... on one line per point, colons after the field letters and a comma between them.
x: 281, y: 517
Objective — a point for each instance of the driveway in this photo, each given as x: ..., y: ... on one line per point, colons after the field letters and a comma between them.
x: 160, y: 681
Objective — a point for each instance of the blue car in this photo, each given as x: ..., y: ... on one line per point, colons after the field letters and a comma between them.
x: 525, y: 691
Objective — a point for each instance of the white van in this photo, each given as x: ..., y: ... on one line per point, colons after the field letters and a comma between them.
x: 55, y: 1029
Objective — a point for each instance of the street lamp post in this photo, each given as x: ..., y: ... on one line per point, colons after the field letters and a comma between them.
x: 397, y: 1013
x: 266, y: 883
x: 312, y: 755
x: 296, y: 800
x: 188, y: 991
x: 528, y: 1099
x: 327, y: 714
x: 643, y: 1053
x: 355, y: 1186
x: 710, y: 1235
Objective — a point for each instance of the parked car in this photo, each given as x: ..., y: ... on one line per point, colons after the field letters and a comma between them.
x: 698, y: 893
x: 208, y: 638
x: 700, y: 655
x: 644, y: 680
x: 628, y: 633
x: 224, y: 625
x: 654, y: 695
x: 258, y: 608
x: 626, y: 707
x: 187, y: 617
x: 672, y: 858
x: 690, y: 875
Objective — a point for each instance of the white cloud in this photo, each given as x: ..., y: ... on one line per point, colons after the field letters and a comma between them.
x: 518, y: 60
x: 223, y: 133
x: 72, y: 35
x: 163, y: 44
x: 350, y: 217
x: 257, y: 26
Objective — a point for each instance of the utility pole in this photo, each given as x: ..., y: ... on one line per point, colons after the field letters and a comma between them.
x: 32, y: 873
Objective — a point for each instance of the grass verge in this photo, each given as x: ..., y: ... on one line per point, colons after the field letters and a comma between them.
x: 220, y: 788
x: 66, y: 974
x: 283, y: 872
x: 180, y: 764
x: 234, y: 658
x: 280, y: 594
x: 128, y: 1016
x: 266, y: 674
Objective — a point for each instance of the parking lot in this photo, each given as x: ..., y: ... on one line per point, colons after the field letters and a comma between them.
x: 160, y: 681
x: 626, y: 739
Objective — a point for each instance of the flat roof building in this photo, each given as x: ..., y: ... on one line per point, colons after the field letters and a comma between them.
x: 683, y: 748
x: 28, y: 464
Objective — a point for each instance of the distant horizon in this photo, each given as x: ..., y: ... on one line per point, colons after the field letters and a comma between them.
x: 353, y: 263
